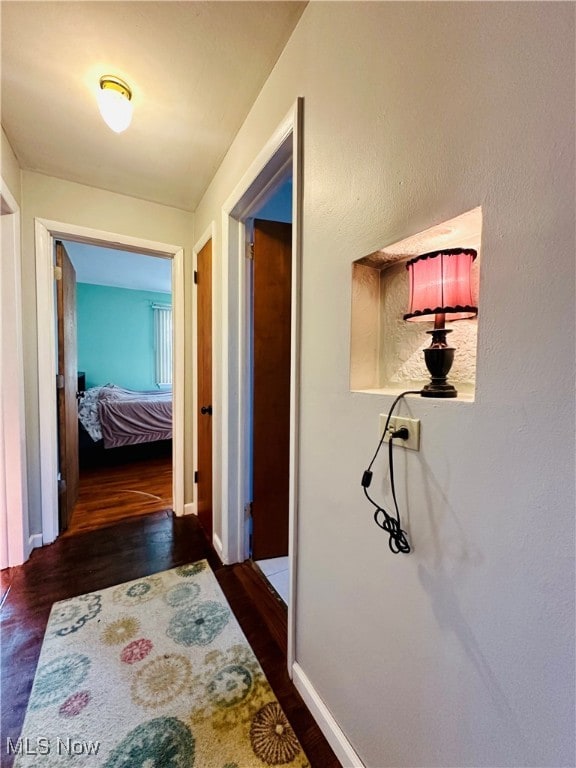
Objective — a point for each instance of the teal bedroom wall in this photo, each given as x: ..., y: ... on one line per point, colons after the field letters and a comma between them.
x: 116, y: 335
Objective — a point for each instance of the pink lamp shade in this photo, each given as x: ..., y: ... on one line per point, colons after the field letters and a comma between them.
x: 440, y: 284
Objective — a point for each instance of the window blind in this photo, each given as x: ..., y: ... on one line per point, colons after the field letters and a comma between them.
x: 163, y: 344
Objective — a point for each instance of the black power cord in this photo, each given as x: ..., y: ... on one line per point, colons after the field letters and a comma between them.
x: 397, y: 541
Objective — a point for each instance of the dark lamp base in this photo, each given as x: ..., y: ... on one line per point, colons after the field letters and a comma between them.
x: 438, y: 390
x: 439, y: 358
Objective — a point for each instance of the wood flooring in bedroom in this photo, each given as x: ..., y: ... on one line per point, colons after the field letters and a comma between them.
x: 117, y: 492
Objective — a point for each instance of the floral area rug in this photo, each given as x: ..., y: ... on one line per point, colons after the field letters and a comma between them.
x: 154, y: 673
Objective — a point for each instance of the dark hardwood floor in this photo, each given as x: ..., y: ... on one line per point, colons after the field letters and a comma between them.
x: 97, y: 559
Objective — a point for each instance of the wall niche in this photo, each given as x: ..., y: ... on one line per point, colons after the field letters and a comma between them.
x: 386, y: 351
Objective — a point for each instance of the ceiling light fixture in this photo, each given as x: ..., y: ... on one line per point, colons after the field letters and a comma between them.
x: 114, y: 102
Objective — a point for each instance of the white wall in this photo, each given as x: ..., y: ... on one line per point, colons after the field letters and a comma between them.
x: 462, y: 653
x: 15, y: 542
x: 57, y: 200
x: 9, y: 167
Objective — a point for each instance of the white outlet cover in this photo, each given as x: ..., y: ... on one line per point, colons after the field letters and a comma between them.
x: 397, y: 422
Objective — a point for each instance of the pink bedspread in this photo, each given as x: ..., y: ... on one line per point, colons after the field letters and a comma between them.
x: 128, y: 417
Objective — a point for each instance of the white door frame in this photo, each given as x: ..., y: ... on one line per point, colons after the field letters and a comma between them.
x: 15, y: 543
x: 45, y: 233
x: 284, y: 146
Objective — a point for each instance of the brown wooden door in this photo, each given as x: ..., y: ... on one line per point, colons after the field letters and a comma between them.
x: 271, y: 404
x: 67, y: 387
x: 204, y: 415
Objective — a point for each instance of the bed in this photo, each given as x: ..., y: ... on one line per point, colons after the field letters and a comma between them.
x: 119, y: 417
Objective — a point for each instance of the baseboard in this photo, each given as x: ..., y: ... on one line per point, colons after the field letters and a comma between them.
x: 327, y: 724
x: 190, y: 508
x: 217, y: 544
x: 35, y: 540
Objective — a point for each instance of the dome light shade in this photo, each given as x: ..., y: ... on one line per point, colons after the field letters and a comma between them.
x: 114, y: 102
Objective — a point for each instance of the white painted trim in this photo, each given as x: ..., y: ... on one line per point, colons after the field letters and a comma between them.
x: 245, y: 392
x: 217, y: 544
x: 13, y: 465
x: 343, y: 750
x: 178, y: 331
x: 268, y: 165
x: 46, y: 335
x: 297, y: 196
x: 34, y: 541
x: 190, y: 508
x: 264, y: 158
x: 270, y: 189
x: 8, y: 196
x: 207, y: 235
x: 46, y: 232
x: 59, y: 230
x: 228, y: 551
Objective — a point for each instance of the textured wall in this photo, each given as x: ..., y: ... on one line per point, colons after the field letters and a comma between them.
x: 462, y: 653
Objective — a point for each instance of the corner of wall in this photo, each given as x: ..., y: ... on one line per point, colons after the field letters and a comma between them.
x: 10, y: 168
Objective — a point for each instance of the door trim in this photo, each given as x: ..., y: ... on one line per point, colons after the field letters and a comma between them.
x: 46, y: 232
x: 207, y: 235
x: 284, y: 146
x: 16, y: 541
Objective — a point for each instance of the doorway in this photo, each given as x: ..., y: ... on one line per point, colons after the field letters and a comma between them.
x: 114, y: 320
x: 270, y: 304
x: 279, y: 159
x: 46, y: 232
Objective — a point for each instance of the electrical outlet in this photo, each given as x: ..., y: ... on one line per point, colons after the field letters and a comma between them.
x: 397, y: 422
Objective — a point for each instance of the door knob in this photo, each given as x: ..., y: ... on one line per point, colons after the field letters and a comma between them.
x: 206, y: 409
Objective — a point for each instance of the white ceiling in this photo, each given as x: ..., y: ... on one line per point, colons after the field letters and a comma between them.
x: 120, y: 269
x: 195, y: 69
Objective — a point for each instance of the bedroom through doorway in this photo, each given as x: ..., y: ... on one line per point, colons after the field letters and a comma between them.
x: 114, y: 388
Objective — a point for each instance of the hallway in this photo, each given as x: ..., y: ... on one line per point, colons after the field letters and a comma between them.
x: 94, y: 560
